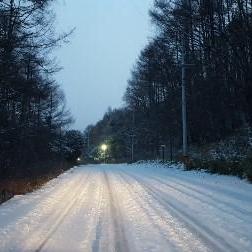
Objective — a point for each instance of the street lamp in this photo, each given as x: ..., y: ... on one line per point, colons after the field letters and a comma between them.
x: 104, y: 148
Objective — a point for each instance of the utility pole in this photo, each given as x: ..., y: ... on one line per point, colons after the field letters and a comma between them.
x: 163, y: 152
x: 184, y: 110
x: 133, y: 136
x: 132, y: 147
x: 88, y: 141
x: 184, y: 76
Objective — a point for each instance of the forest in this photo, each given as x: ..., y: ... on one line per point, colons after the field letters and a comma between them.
x: 34, y: 139
x: 217, y: 36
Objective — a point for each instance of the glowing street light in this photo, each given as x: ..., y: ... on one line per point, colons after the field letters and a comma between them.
x: 104, y: 147
x: 78, y: 159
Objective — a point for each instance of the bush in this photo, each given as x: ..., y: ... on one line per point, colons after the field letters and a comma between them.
x: 218, y: 166
x: 247, y: 166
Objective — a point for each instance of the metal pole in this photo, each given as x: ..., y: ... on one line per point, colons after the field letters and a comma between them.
x: 171, y: 149
x: 132, y: 149
x: 184, y: 115
x: 88, y: 142
x: 162, y: 150
x: 184, y: 80
x: 132, y: 136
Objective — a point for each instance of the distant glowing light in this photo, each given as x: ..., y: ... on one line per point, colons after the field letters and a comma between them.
x: 104, y: 147
x: 78, y: 159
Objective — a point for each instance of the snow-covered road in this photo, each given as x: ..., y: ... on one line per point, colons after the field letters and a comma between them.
x: 130, y: 208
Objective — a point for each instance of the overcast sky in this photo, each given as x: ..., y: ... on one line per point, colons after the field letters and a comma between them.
x: 96, y: 64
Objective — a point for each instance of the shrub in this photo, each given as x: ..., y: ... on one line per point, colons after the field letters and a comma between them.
x: 218, y: 166
x: 246, y: 164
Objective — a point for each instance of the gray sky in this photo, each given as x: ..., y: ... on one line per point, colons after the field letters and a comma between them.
x: 108, y: 38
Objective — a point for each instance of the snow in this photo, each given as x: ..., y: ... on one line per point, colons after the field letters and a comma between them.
x: 141, y: 207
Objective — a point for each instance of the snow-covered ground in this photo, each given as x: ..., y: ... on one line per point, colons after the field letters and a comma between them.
x: 130, y: 208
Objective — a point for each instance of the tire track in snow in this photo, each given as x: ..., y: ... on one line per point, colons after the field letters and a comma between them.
x: 121, y: 243
x: 61, y: 215
x: 222, y: 206
x: 209, y: 237
x: 53, y: 192
x: 98, y: 233
x: 80, y: 224
x: 163, y: 232
x: 98, y: 220
x: 239, y: 194
x: 203, y: 192
x: 35, y: 217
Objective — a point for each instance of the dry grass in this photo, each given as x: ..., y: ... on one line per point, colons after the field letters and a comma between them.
x: 11, y: 187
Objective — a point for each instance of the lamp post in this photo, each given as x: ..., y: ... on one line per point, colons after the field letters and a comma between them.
x: 104, y: 148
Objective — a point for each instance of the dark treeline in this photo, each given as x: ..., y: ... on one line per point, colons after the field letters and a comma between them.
x: 33, y: 116
x: 219, y: 79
